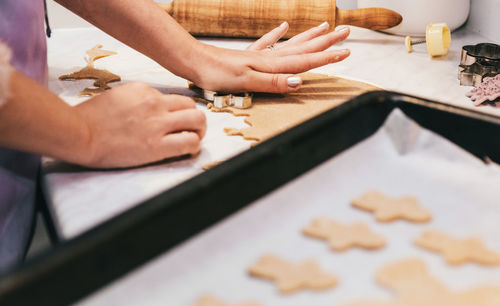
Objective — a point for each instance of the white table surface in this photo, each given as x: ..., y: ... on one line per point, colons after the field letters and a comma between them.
x: 81, y: 199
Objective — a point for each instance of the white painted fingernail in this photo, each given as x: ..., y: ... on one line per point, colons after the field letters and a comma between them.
x: 343, y: 29
x: 294, y: 81
x: 324, y: 25
x: 283, y: 25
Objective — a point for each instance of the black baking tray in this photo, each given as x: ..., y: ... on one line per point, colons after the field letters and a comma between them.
x: 82, y: 265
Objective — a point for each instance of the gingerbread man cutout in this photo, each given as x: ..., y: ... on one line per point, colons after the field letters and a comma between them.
x: 458, y: 251
x: 292, y: 277
x: 209, y: 300
x: 343, y: 237
x: 414, y: 286
x: 387, y: 209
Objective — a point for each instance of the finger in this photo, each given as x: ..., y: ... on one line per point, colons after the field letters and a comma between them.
x: 178, y: 144
x: 307, y: 35
x: 269, y: 38
x: 178, y: 102
x: 317, y: 44
x: 299, y: 63
x: 186, y: 120
x: 274, y: 83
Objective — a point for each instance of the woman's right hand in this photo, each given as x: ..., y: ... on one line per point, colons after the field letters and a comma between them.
x: 135, y: 124
x: 262, y: 69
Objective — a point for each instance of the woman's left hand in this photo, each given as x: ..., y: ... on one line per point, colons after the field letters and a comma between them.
x: 268, y: 66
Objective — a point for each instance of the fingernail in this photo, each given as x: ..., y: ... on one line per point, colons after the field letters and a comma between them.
x: 343, y: 29
x: 294, y: 81
x: 324, y: 25
x: 343, y: 54
x: 283, y: 24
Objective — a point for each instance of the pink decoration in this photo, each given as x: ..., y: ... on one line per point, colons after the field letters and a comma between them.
x: 489, y: 90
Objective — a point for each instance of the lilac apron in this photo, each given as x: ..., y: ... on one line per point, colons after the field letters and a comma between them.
x: 22, y: 29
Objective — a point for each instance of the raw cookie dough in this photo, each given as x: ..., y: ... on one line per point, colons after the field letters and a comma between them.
x: 210, y: 165
x: 457, y: 251
x: 209, y: 300
x: 342, y: 237
x: 272, y: 114
x: 102, y: 77
x: 388, y: 209
x: 292, y: 277
x: 414, y: 286
x: 97, y: 52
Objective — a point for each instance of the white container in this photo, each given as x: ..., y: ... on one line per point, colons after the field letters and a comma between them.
x: 417, y: 14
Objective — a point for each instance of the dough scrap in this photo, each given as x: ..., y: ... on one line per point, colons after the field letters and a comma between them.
x: 412, y: 285
x: 456, y: 251
x: 342, y: 237
x: 210, y: 165
x: 292, y: 277
x: 92, y: 92
x: 272, y: 114
x: 102, y: 77
x: 209, y: 300
x: 96, y: 53
x: 387, y: 209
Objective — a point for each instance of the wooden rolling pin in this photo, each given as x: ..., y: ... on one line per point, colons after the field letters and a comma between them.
x: 254, y: 18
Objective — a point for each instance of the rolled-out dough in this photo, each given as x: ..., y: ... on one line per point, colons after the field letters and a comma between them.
x: 272, y: 114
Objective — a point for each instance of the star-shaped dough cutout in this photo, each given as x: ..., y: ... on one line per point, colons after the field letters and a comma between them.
x: 342, y: 237
x: 458, y: 251
x: 292, y: 277
x: 387, y: 209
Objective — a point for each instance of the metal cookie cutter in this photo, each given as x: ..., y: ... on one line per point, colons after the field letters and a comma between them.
x: 241, y: 100
x: 477, y: 62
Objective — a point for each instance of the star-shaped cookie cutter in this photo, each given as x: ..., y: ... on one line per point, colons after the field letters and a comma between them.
x: 478, y: 61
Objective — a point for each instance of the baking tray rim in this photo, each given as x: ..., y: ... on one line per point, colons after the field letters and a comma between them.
x: 99, y: 248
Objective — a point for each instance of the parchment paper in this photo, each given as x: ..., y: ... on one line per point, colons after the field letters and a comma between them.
x: 461, y: 191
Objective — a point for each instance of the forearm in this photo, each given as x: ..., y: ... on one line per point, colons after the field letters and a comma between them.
x: 35, y: 120
x: 144, y: 26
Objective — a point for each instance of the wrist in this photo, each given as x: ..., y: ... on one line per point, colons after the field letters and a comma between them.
x: 187, y: 60
x: 73, y: 142
x: 83, y: 150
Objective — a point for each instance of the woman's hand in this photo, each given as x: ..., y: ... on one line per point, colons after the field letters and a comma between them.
x: 127, y: 126
x: 135, y: 124
x: 268, y: 66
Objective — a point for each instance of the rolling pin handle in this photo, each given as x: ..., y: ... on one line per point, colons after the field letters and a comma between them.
x: 374, y: 18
